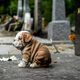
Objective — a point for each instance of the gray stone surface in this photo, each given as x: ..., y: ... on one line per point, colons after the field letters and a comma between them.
x: 63, y: 48
x: 8, y: 49
x: 66, y: 68
x: 58, y: 12
x: 58, y: 30
x: 59, y: 27
x: 9, y: 41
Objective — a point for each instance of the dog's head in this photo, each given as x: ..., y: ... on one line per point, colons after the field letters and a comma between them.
x: 22, y: 39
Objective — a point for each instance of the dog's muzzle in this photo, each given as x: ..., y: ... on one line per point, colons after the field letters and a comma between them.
x: 18, y: 47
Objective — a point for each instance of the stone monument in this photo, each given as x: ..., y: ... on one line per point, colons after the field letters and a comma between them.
x: 59, y: 27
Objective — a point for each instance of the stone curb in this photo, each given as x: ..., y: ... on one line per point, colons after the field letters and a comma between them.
x: 9, y: 40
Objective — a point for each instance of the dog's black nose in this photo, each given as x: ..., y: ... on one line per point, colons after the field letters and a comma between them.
x: 13, y: 44
x: 13, y: 40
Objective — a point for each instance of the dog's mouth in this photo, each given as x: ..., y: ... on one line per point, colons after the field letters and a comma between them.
x: 22, y: 46
x: 19, y: 47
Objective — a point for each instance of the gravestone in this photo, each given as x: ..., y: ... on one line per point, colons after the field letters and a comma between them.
x: 59, y: 27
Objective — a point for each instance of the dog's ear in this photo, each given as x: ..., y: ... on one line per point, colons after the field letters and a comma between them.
x: 27, y: 37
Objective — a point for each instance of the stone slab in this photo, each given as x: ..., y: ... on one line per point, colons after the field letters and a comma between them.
x: 59, y: 30
x: 58, y: 10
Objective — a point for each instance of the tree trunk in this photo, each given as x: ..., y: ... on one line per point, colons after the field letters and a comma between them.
x: 38, y: 17
x: 77, y: 29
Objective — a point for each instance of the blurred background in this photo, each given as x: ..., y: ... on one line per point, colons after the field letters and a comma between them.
x: 9, y: 8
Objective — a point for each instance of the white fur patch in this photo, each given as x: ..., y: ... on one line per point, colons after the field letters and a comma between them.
x: 22, y: 64
x: 34, y: 65
x: 20, y: 33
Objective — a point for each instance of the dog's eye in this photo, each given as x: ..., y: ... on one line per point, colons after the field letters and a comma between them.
x: 20, y: 38
x: 14, y: 40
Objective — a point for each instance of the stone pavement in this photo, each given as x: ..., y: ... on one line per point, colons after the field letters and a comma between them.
x: 65, y: 65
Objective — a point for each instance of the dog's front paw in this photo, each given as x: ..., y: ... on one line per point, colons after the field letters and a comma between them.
x: 34, y: 65
x: 22, y: 64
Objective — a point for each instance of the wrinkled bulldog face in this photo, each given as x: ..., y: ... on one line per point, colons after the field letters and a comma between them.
x: 18, y: 43
x: 21, y: 39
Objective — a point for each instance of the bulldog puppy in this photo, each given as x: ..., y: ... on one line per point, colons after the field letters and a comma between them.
x: 33, y: 52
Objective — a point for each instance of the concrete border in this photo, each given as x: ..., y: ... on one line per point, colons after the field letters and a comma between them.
x: 9, y: 40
